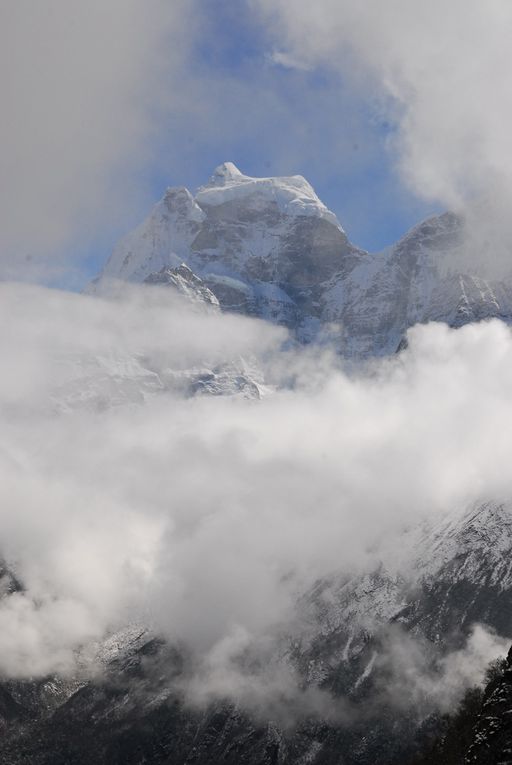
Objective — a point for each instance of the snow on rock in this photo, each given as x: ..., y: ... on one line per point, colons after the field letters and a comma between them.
x: 453, y: 572
x: 102, y: 382
x: 268, y: 247
x: 163, y: 240
x: 293, y: 195
x: 186, y: 283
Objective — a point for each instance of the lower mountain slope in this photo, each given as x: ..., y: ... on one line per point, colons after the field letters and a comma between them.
x: 359, y: 641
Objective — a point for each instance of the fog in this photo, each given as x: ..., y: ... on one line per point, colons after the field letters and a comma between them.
x: 205, y: 517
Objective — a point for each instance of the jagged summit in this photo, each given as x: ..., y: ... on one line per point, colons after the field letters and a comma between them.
x: 225, y: 172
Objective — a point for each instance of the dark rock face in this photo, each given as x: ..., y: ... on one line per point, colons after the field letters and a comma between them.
x: 131, y: 717
x: 261, y: 261
x: 478, y: 731
x: 492, y: 736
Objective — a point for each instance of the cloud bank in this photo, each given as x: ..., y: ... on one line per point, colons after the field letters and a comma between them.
x: 207, y: 516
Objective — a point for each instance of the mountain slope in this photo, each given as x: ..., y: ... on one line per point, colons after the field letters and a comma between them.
x: 353, y: 643
x: 492, y: 735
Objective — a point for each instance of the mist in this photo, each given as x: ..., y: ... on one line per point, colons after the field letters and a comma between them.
x: 125, y: 499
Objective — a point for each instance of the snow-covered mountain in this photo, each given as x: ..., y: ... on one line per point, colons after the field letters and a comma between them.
x: 269, y: 247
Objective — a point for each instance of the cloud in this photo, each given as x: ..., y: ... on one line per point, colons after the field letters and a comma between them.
x: 82, y: 87
x: 438, y: 74
x: 281, y: 58
x: 207, y: 516
x: 450, y: 96
x: 414, y: 677
x: 248, y: 673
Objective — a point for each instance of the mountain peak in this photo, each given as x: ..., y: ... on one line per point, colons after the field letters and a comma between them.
x: 293, y: 195
x: 224, y: 173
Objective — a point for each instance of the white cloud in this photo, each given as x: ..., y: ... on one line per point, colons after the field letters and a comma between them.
x: 416, y: 680
x: 440, y: 73
x: 207, y: 515
x: 281, y: 58
x: 82, y: 84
